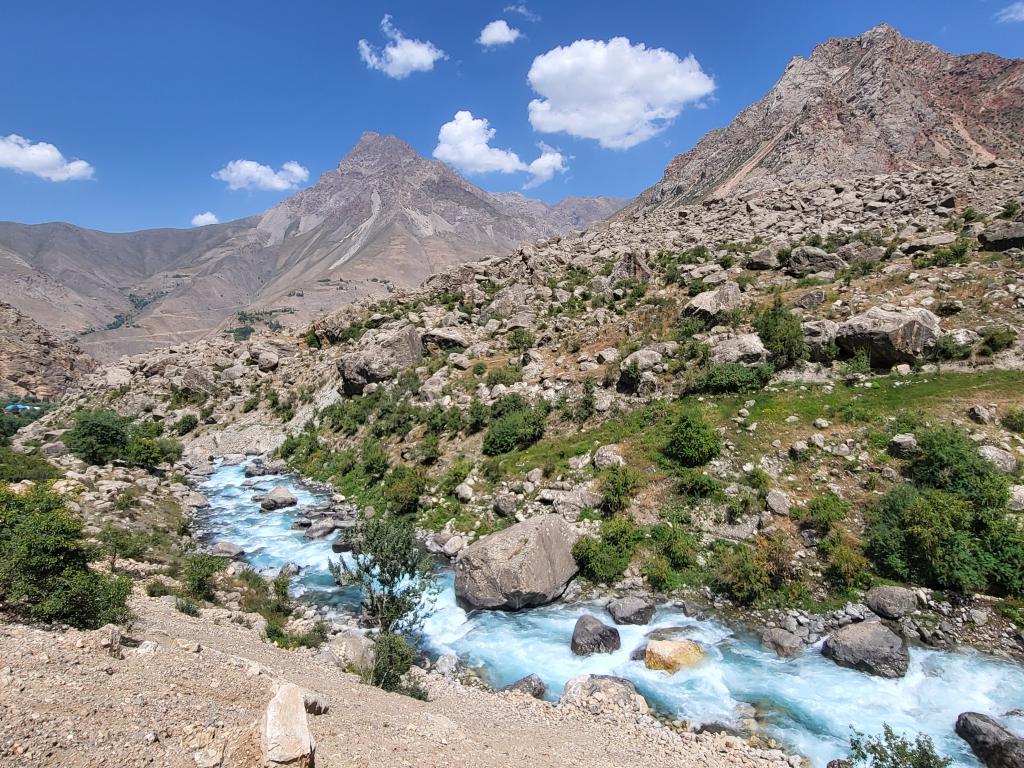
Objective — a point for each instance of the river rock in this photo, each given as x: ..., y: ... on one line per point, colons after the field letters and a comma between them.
x: 591, y: 635
x: 227, y: 549
x: 868, y: 646
x: 631, y: 610
x: 782, y: 641
x: 994, y: 745
x: 892, y: 602
x: 602, y: 693
x: 279, y: 498
x: 672, y: 655
x: 890, y: 336
x: 525, y: 565
x: 286, y: 738
x: 532, y: 685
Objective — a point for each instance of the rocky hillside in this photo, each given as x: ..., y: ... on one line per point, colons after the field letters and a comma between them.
x: 386, y: 218
x: 33, y: 361
x: 875, y: 103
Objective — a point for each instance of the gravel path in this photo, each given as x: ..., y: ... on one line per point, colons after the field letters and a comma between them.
x: 192, y: 697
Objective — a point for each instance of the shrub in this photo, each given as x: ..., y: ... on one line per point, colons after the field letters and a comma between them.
x: 402, y: 489
x: 187, y: 607
x: 476, y: 417
x: 186, y: 424
x: 97, y: 436
x: 1014, y: 420
x: 695, y: 485
x: 122, y: 543
x: 822, y: 512
x: 692, y: 442
x: 741, y: 576
x: 16, y: 466
x: 858, y: 365
x: 148, y: 452
x: 726, y: 378
x: 605, y: 560
x: 782, y: 334
x: 945, y: 256
x: 996, y: 338
x: 948, y: 460
x: 374, y: 459
x: 948, y: 348
x: 846, y: 567
x: 892, y: 751
x: 659, y: 573
x: 508, y: 375
x: 1011, y: 210
x: 197, y: 572
x: 618, y: 486
x: 585, y: 407
x: 479, y: 368
x: 44, y: 570
x: 514, y: 431
x: 392, y: 659
x: 521, y: 339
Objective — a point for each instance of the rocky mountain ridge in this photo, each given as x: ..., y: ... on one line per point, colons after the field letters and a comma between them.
x: 385, y: 218
x: 33, y: 361
x: 874, y: 103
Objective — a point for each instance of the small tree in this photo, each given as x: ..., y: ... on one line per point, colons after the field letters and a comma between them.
x: 98, y: 436
x: 892, y: 751
x: 782, y: 334
x: 618, y: 486
x: 521, y: 339
x: 692, y: 442
x: 121, y: 543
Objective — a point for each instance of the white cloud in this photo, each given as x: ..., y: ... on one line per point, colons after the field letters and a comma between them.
x: 401, y: 56
x: 523, y: 11
x: 40, y: 159
x: 248, y: 174
x: 1012, y: 12
x: 465, y: 143
x: 498, y: 33
x: 615, y: 92
x: 205, y: 219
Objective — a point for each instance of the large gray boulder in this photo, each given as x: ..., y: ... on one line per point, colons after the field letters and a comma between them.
x: 990, y: 740
x: 999, y: 458
x: 631, y: 610
x: 890, y: 335
x: 892, y: 602
x: 382, y: 355
x: 994, y: 745
x: 525, y: 565
x: 532, y: 685
x: 870, y: 647
x: 744, y: 348
x: 1002, y: 236
x: 806, y: 260
x: 785, y: 643
x: 279, y: 498
x: 591, y: 635
x: 710, y: 304
x: 602, y: 693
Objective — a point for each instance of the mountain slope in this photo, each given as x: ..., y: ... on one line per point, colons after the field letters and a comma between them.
x: 386, y: 218
x: 34, y: 361
x: 875, y: 103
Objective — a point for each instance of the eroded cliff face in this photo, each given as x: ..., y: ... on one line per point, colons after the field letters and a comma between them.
x: 33, y: 361
x: 875, y: 103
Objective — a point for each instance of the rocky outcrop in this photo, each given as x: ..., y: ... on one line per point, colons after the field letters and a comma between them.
x: 286, y: 737
x: 525, y: 565
x: 591, y: 635
x: 381, y: 356
x: 1002, y: 236
x: 808, y: 260
x: 991, y: 741
x: 33, y: 361
x: 889, y: 335
x: 710, y: 304
x: 868, y: 646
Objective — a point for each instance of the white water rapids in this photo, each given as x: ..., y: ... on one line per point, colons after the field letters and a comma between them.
x: 807, y: 703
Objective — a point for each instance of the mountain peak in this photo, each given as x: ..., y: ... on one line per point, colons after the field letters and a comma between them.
x: 375, y: 151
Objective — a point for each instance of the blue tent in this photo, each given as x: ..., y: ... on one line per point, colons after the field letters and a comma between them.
x: 15, y: 407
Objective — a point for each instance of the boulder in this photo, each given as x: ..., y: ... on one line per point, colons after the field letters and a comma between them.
x: 446, y: 339
x: 1001, y: 459
x: 286, y: 738
x: 1016, y: 502
x: 993, y: 744
x: 608, y: 456
x: 531, y: 685
x: 763, y: 259
x: 672, y: 655
x: 351, y: 650
x: 777, y: 502
x: 903, y: 445
x: 710, y: 304
x: 782, y: 641
x: 1002, y: 236
x: 746, y: 349
x: 227, y: 549
x: 806, y: 260
x: 591, y: 635
x: 631, y: 610
x: 891, y: 602
x: 381, y: 356
x: 820, y: 338
x: 279, y: 498
x: 890, y: 336
x: 644, y: 359
x: 868, y: 646
x: 602, y: 693
x: 525, y: 565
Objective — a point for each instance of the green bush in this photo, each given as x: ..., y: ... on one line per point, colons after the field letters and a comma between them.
x: 374, y: 459
x: 660, y: 574
x: 996, y: 338
x: 393, y: 657
x: 892, y: 751
x: 44, y: 565
x: 948, y: 255
x: 727, y: 378
x: 403, y: 487
x: 605, y: 560
x: 16, y: 466
x: 514, y: 431
x: 185, y: 424
x: 98, y: 436
x: 781, y: 332
x: 695, y: 485
x: 692, y: 441
x: 948, y: 460
x: 521, y: 339
x: 846, y: 567
x: 822, y: 512
x: 508, y: 375
x: 197, y: 572
x: 741, y: 576
x: 618, y: 484
x: 1014, y: 420
x: 476, y: 418
x: 948, y: 348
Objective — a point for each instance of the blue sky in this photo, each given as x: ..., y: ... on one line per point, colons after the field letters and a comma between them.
x: 157, y: 97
